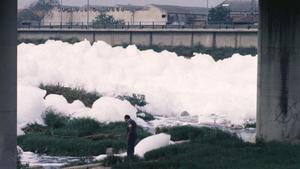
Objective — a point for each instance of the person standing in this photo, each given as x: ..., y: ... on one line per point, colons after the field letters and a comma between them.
x: 131, y: 135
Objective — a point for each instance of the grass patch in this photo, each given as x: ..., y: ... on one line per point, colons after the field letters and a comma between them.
x: 212, y: 148
x: 71, y: 94
x: 114, y: 160
x: 74, y: 136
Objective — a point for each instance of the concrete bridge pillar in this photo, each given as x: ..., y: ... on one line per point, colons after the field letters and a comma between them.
x: 278, y: 97
x: 8, y: 84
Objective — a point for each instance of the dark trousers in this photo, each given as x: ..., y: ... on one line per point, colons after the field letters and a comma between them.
x: 130, y: 146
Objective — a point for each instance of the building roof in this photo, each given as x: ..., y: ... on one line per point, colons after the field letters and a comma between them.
x: 241, y: 5
x: 76, y: 8
x: 97, y: 7
x: 130, y: 7
x: 67, y: 7
x: 183, y: 9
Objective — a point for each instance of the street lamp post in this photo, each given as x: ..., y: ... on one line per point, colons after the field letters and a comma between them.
x: 60, y: 13
x: 88, y: 13
x: 207, y: 10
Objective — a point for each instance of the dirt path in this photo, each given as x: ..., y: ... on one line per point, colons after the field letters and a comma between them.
x: 88, y: 166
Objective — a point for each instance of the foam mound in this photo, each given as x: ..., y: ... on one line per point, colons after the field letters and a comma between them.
x: 151, y: 143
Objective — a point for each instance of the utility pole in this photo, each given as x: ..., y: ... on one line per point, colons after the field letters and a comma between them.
x: 88, y: 13
x: 61, y: 13
x: 252, y: 10
x: 207, y: 13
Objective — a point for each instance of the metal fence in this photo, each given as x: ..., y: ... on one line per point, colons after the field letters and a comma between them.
x: 84, y: 25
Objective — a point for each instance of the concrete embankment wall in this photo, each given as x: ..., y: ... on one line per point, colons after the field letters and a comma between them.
x: 217, y: 38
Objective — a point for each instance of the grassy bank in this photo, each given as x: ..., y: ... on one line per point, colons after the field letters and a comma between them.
x: 74, y: 137
x: 215, y: 149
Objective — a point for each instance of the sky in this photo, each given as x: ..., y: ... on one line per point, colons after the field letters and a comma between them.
x: 201, y: 3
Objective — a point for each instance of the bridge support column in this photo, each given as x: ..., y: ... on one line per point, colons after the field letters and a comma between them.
x: 8, y: 84
x: 278, y: 97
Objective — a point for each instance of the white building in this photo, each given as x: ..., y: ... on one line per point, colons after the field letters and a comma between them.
x: 67, y: 15
x: 151, y: 14
x: 159, y: 14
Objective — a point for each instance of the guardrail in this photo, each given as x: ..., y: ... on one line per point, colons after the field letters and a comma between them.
x: 83, y: 25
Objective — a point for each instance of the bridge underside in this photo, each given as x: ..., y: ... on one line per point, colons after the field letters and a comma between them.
x: 278, y: 108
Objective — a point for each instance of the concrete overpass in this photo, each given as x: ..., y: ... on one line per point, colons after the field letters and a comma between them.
x: 235, y: 38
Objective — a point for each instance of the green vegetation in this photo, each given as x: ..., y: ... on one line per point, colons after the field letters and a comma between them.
x: 213, y: 148
x: 187, y: 52
x: 74, y: 136
x: 42, y: 41
x: 135, y: 99
x: 219, y: 15
x: 103, y: 20
x: 250, y: 125
x: 114, y: 160
x: 71, y: 94
x: 88, y: 98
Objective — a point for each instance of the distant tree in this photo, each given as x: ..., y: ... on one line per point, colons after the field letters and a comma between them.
x: 219, y: 15
x: 27, y: 15
x: 36, y: 11
x: 44, y: 5
x: 106, y: 20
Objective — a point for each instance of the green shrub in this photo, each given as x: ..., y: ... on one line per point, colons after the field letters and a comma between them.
x: 54, y: 120
x: 72, y: 94
x: 250, y: 125
x: 34, y: 128
x: 135, y: 99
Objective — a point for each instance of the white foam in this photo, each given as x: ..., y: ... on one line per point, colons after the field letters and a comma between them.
x: 151, y: 143
x: 30, y: 106
x: 171, y: 84
x: 59, y: 104
x: 109, y: 109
